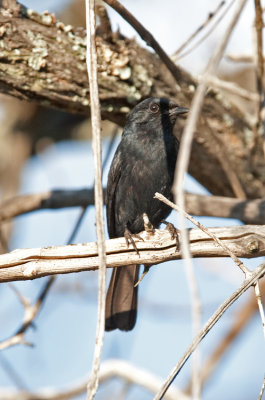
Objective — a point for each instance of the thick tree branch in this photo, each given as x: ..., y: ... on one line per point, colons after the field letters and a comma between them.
x: 42, y: 60
x: 244, y: 241
x: 249, y: 211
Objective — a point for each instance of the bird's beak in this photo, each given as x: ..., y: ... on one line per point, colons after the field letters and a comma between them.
x: 180, y: 110
x: 177, y: 110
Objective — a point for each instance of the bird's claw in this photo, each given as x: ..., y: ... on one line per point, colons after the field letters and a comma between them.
x: 173, y: 232
x: 129, y: 238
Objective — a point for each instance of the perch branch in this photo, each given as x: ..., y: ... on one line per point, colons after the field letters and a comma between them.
x: 244, y: 241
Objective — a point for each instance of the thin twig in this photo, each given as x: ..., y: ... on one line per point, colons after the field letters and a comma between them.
x: 261, y: 309
x: 30, y: 314
x: 96, y: 145
x: 147, y: 37
x: 209, y: 18
x: 225, y: 161
x: 254, y: 276
x: 187, y: 137
x: 262, y: 390
x: 239, y: 263
x: 233, y: 88
x: 258, y: 56
x: 207, y: 34
x: 84, y: 209
x: 240, y: 321
x: 112, y: 368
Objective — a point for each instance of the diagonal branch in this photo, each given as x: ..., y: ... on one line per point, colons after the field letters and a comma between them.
x: 252, y: 279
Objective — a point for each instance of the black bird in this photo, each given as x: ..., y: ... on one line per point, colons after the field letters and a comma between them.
x: 144, y: 163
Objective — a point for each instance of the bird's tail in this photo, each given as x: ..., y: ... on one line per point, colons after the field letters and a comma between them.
x: 121, y: 300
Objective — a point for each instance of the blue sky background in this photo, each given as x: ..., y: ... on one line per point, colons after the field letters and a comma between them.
x: 65, y: 328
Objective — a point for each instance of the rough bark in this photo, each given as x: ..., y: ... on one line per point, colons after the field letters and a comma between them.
x: 42, y: 60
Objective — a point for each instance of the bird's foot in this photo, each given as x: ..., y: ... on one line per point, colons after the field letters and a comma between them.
x: 148, y: 227
x: 146, y: 269
x: 129, y: 238
x: 173, y: 231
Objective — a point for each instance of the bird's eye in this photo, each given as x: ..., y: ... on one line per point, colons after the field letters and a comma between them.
x: 154, y: 107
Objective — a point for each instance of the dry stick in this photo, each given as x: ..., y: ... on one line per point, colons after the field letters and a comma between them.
x: 261, y: 309
x: 240, y: 320
x: 254, y: 276
x: 243, y: 268
x: 96, y: 145
x: 146, y: 36
x: 239, y: 263
x: 185, y: 145
x: 260, y: 121
x: 181, y: 169
x: 207, y: 34
x: 233, y: 88
x: 258, y: 55
x: 224, y: 159
x: 113, y: 368
x: 262, y: 390
x: 29, y: 315
x: 210, y: 16
x: 84, y: 208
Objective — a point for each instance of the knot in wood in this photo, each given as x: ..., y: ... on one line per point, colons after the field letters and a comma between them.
x: 253, y: 246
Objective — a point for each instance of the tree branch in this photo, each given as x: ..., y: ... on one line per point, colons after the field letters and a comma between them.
x: 249, y: 211
x: 244, y: 241
x: 109, y: 369
x: 42, y: 60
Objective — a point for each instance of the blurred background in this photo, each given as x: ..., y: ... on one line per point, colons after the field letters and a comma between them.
x: 43, y: 149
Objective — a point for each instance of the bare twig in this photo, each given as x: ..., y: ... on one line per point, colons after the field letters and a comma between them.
x: 207, y: 34
x: 31, y: 311
x: 106, y: 158
x: 187, y: 137
x: 96, y: 145
x: 176, y: 58
x: 261, y: 309
x: 252, y: 279
x: 259, y: 63
x: 236, y: 260
x: 233, y: 88
x: 109, y: 369
x: 262, y: 390
x: 146, y: 36
x: 209, y: 18
x: 240, y: 320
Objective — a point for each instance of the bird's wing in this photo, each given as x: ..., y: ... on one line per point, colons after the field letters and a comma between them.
x: 113, y: 179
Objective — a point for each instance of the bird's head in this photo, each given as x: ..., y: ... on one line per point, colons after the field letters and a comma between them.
x: 156, y: 112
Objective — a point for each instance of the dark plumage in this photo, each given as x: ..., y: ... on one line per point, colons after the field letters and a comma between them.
x: 144, y: 163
